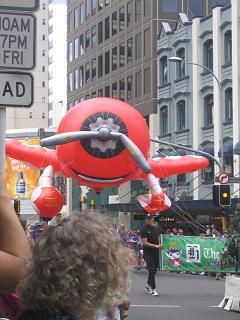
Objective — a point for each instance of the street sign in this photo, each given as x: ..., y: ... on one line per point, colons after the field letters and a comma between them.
x: 16, y: 89
x: 223, y: 178
x: 17, y: 41
x: 23, y: 5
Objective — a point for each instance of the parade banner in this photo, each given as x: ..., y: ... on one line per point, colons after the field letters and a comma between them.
x: 193, y: 254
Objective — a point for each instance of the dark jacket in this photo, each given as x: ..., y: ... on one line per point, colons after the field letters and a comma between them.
x: 43, y: 315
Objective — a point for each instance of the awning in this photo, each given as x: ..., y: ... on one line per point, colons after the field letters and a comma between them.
x: 227, y: 149
x: 236, y: 149
x: 169, y: 153
x: 208, y: 148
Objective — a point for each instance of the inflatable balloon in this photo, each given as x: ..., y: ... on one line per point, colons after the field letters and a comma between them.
x: 47, y: 201
x: 104, y: 142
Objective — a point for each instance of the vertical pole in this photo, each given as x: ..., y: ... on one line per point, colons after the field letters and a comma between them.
x: 2, y: 139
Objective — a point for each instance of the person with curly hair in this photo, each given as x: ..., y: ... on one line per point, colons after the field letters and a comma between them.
x: 78, y: 266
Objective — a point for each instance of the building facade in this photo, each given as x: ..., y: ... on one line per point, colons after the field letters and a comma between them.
x: 57, y: 68
x: 112, y: 47
x: 198, y: 99
x: 37, y: 115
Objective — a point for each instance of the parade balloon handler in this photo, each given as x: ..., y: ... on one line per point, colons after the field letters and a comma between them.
x: 78, y: 266
x: 150, y: 239
x: 105, y: 142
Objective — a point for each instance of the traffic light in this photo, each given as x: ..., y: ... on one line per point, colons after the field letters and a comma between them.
x: 221, y: 195
x: 17, y: 207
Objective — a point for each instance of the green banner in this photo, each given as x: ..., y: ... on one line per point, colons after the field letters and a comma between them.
x: 193, y: 254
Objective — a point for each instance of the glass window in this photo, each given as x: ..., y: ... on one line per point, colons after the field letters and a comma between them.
x: 147, y: 42
x: 107, y: 29
x: 114, y: 59
x: 87, y: 97
x: 147, y: 81
x: 195, y: 8
x: 228, y: 46
x: 107, y: 62
x: 76, y: 18
x: 129, y: 13
x: 70, y: 51
x: 70, y: 81
x: 100, y: 5
x: 87, y: 39
x: 121, y: 19
x: 94, y: 94
x: 94, y: 68
x: 100, y: 66
x: 208, y: 54
x: 94, y: 36
x: 81, y: 76
x: 163, y: 120
x: 100, y: 32
x: 228, y: 105
x: 129, y: 50
x: 169, y: 6
x: 222, y: 2
x: 129, y: 87
x: 138, y: 10
x: 81, y: 44
x: 82, y: 13
x: 138, y: 84
x: 70, y: 21
x: 76, y: 47
x: 181, y: 178
x: 76, y: 80
x: 147, y: 8
x: 87, y: 72
x: 94, y: 7
x: 208, y: 110
x: 114, y: 23
x: 180, y: 66
x: 163, y: 71
x: 122, y: 89
x: 107, y: 91
x: 114, y: 90
x: 88, y: 8
x: 138, y: 46
x: 181, y: 116
x: 100, y: 93
x: 122, y: 55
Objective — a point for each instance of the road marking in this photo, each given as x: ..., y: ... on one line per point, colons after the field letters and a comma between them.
x: 153, y: 306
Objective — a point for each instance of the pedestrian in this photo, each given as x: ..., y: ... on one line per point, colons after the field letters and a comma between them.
x: 150, y: 240
x: 174, y: 231
x: 180, y: 232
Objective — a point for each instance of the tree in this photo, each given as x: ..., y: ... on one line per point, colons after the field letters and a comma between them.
x: 230, y: 257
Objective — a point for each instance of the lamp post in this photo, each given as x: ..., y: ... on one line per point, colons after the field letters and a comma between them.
x: 180, y: 60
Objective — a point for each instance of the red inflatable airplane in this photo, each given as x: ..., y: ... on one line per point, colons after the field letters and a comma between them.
x: 105, y: 142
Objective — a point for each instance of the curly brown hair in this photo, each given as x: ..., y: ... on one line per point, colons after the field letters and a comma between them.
x: 77, y: 266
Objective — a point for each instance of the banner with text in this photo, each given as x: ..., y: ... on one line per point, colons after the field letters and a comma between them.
x: 194, y: 254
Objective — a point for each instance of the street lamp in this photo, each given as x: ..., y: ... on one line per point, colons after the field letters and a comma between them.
x: 180, y: 60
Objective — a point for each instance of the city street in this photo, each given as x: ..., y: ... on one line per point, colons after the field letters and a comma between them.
x: 181, y: 297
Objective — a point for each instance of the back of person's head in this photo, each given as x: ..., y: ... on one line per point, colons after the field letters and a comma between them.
x: 77, y: 266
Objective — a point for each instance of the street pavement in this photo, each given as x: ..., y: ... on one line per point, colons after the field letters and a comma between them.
x: 181, y: 297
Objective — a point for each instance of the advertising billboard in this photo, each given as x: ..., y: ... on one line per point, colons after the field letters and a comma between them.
x: 20, y: 178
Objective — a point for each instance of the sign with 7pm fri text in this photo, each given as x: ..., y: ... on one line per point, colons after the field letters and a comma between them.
x: 17, y: 41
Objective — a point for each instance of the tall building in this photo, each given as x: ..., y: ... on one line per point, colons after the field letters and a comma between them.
x: 198, y: 99
x: 37, y: 115
x: 112, y: 51
x: 112, y: 47
x: 57, y: 67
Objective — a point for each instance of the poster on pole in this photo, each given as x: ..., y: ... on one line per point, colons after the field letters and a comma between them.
x: 193, y: 254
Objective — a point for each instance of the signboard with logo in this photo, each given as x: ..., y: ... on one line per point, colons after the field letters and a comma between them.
x: 194, y: 254
x: 20, y: 178
x: 17, y: 5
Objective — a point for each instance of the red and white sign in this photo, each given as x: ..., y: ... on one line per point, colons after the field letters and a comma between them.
x: 223, y: 178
